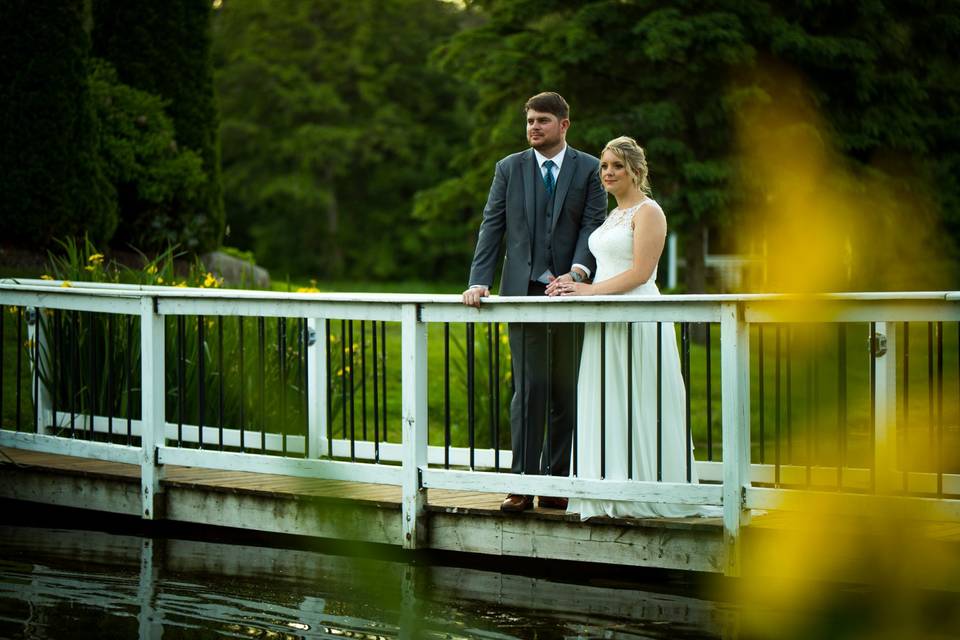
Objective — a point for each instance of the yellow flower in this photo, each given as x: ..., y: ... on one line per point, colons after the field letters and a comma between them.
x: 151, y: 269
x: 159, y: 279
x: 46, y: 277
x: 90, y: 268
x: 182, y: 284
x: 96, y: 258
x: 66, y: 284
x: 211, y: 281
x: 307, y: 290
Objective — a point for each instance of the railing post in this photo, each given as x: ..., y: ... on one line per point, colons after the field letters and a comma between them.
x: 151, y: 407
x: 735, y: 386
x: 414, y: 408
x: 316, y: 390
x: 884, y: 345
x: 41, y: 401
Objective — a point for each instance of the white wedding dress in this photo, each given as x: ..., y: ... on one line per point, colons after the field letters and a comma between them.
x: 612, y: 245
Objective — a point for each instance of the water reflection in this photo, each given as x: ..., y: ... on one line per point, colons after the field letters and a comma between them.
x: 57, y: 583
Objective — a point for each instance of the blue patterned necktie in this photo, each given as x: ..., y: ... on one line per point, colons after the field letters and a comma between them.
x: 548, y: 182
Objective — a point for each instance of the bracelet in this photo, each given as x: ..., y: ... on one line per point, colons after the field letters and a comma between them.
x: 575, y: 276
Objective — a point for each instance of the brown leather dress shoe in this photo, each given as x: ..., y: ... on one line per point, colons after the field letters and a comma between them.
x: 549, y: 502
x: 516, y: 502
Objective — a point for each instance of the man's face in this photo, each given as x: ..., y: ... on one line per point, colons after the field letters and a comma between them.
x: 545, y: 131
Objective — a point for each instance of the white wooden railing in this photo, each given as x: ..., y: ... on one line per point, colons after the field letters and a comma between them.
x: 729, y: 484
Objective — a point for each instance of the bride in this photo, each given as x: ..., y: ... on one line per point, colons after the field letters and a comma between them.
x: 627, y: 248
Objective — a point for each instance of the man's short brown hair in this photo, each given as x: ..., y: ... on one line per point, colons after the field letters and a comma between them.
x: 548, y: 102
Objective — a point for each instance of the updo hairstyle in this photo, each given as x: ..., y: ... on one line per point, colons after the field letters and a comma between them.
x: 634, y: 158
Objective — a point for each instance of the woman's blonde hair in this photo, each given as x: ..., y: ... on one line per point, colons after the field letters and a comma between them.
x: 635, y: 159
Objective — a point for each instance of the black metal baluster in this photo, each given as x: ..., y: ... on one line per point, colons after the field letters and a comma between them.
x: 630, y: 327
x: 92, y: 342
x: 220, y: 399
x: 761, y: 380
x: 688, y: 448
x: 305, y: 378
x: 376, y: 392
x: 363, y: 378
x: 282, y: 358
x: 496, y: 399
x: 353, y: 433
x: 54, y: 366
x: 906, y: 407
x: 939, y: 409
x: 383, y: 378
x: 327, y: 341
x: 709, y: 355
x: 812, y: 404
x: 343, y: 379
x: 930, y: 387
x: 841, y: 401
x: 872, y: 430
x: 74, y: 373
x: 3, y: 322
x: 19, y: 365
x: 446, y: 395
x: 201, y: 378
x: 523, y: 398
x: 659, y: 402
x: 261, y: 381
x: 471, y: 390
x: 36, y: 370
x: 776, y: 407
x: 243, y: 382
x: 129, y: 368
x: 491, y: 383
x: 110, y: 381
x: 181, y: 376
x: 603, y: 400
x: 789, y: 393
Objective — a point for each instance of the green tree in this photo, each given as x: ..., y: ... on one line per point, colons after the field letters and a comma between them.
x: 332, y: 122
x: 50, y: 176
x: 163, y: 47
x: 140, y: 156
x: 679, y: 75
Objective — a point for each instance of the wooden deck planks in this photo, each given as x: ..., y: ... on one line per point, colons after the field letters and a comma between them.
x: 441, y: 501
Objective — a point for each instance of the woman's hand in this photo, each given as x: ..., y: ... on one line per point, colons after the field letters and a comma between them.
x: 575, y: 289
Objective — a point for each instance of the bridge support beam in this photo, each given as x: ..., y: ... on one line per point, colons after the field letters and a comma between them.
x: 152, y: 375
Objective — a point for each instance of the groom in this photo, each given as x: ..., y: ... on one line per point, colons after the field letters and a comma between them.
x: 544, y: 202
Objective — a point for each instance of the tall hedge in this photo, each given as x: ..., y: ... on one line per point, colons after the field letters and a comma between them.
x: 51, y: 181
x: 163, y: 47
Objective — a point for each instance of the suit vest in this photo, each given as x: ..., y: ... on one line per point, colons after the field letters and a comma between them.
x: 540, y: 240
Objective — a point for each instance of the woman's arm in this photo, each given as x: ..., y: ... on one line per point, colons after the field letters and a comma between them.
x: 649, y: 234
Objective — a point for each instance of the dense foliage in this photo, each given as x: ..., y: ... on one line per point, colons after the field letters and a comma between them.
x: 50, y: 175
x: 140, y: 155
x: 873, y: 84
x: 163, y: 47
x: 332, y: 121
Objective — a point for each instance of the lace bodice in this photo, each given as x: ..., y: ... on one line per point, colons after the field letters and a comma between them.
x: 612, y: 246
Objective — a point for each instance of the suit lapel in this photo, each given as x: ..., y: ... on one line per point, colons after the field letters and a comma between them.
x: 528, y: 171
x: 563, y: 184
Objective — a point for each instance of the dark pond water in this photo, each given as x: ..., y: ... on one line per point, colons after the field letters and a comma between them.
x: 58, y: 582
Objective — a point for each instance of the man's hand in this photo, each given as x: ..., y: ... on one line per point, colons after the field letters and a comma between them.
x: 471, y: 297
x: 553, y: 289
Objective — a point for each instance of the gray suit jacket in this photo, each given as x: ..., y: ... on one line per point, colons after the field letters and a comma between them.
x: 579, y: 207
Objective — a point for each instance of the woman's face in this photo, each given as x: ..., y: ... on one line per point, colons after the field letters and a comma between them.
x: 614, y: 174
